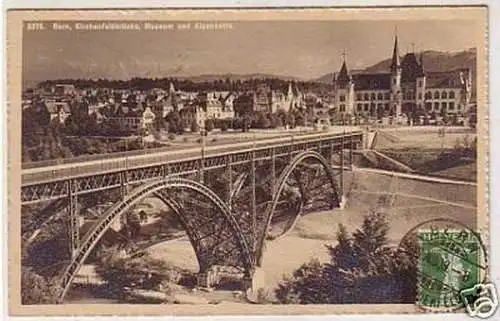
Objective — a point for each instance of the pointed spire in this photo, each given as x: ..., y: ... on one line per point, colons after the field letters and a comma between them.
x: 395, y: 64
x: 290, y: 92
x: 343, y: 77
x: 421, y: 63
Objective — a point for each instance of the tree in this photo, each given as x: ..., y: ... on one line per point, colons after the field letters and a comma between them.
x: 140, y: 272
x: 363, y: 269
x: 262, y: 121
x: 35, y: 289
x: 194, y: 126
x: 209, y: 125
x: 224, y: 126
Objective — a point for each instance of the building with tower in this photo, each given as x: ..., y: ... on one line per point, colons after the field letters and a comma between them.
x: 268, y: 100
x: 407, y: 88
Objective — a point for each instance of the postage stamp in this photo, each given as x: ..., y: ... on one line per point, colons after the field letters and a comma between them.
x: 449, y: 262
x: 250, y: 161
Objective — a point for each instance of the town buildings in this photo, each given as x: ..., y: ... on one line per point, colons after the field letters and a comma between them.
x: 406, y: 88
x: 270, y: 101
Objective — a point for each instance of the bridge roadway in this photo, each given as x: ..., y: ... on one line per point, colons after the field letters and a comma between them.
x: 41, y: 183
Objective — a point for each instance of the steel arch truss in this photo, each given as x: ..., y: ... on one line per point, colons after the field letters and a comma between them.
x: 212, y: 229
x: 307, y: 183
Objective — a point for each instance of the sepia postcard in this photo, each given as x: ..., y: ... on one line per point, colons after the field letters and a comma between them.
x: 249, y: 162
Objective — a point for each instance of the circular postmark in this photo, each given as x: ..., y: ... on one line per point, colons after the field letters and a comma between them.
x: 449, y: 258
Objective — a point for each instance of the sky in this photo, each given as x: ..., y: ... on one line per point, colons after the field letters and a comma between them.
x: 302, y: 49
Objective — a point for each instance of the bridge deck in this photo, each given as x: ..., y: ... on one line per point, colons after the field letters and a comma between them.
x: 65, y: 169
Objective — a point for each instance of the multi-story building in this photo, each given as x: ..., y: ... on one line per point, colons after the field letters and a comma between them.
x: 57, y: 110
x: 142, y: 121
x: 405, y: 89
x: 270, y: 101
x: 211, y: 105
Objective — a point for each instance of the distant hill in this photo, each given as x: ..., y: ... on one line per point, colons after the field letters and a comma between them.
x: 328, y: 78
x: 433, y: 61
x: 235, y: 77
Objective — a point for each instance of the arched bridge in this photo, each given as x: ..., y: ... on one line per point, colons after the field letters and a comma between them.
x: 229, y: 198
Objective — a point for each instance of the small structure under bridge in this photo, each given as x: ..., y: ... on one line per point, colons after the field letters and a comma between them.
x: 230, y: 198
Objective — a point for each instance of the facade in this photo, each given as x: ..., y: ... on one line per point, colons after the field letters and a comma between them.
x: 211, y: 105
x: 405, y: 89
x: 270, y: 101
x: 136, y: 124
x: 59, y: 111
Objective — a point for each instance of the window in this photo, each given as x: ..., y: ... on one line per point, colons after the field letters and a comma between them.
x: 393, y: 81
x: 428, y: 95
x: 373, y: 96
x: 420, y: 83
x: 366, y: 96
x: 443, y: 105
x: 436, y: 95
x: 342, y: 108
x: 379, y: 106
x: 359, y: 97
x: 444, y: 95
x: 451, y: 105
x: 428, y: 106
x: 419, y: 96
x: 366, y: 107
x: 342, y: 97
x: 386, y: 107
x: 379, y: 96
x: 452, y: 95
x: 387, y: 96
x: 436, y: 106
x: 359, y: 107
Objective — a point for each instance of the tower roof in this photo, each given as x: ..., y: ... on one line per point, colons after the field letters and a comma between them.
x: 395, y: 55
x: 343, y: 77
x: 411, y: 69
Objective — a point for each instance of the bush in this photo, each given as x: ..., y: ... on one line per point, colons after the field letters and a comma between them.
x: 363, y: 269
x: 224, y: 126
x: 141, y: 272
x: 194, y: 126
x: 171, y: 136
x: 209, y: 125
x: 36, y: 289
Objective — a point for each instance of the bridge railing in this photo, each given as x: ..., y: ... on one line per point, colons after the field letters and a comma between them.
x: 144, y: 158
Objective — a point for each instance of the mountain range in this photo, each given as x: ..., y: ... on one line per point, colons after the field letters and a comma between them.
x: 433, y: 61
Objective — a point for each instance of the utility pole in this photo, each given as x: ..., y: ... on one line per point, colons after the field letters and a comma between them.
x: 254, y: 205
x: 342, y: 166
x: 202, y: 161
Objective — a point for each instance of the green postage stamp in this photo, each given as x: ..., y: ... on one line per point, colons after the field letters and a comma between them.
x: 450, y: 261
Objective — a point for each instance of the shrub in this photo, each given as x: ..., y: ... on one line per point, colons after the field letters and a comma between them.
x: 35, y: 289
x: 209, y: 125
x: 171, y: 136
x: 363, y: 269
x: 224, y: 126
x: 194, y: 126
x: 140, y: 272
